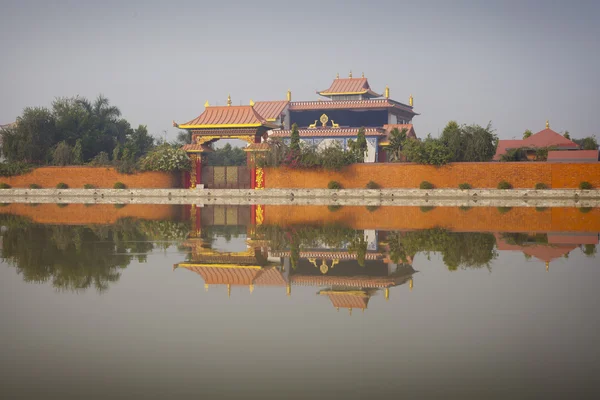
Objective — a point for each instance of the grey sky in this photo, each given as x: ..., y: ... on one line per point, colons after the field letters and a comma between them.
x: 516, y: 63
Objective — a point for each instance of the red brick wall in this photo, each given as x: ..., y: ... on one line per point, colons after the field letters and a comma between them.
x: 101, y: 177
x: 478, y: 175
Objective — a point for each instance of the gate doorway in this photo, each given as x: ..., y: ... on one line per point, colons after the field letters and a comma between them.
x: 231, y: 177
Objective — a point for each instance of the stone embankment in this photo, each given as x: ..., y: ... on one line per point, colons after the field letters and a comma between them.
x: 448, y: 197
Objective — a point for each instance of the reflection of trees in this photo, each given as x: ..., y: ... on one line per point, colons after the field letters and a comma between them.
x: 296, y: 238
x: 458, y: 249
x: 589, y: 250
x: 79, y: 257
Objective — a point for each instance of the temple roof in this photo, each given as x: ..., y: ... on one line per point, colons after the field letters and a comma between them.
x: 544, y: 138
x: 225, y: 275
x: 347, y: 281
x: 349, y: 86
x: 227, y: 117
x: 328, y: 132
x: 270, y: 110
x: 349, y: 104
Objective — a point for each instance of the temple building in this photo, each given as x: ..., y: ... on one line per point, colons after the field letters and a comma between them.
x: 348, y: 105
x: 546, y: 138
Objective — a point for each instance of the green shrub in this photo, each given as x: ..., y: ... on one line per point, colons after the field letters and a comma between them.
x: 120, y: 205
x: 504, y: 185
x: 426, y: 208
x: 4, y: 186
x: 464, y: 208
x: 334, y: 185
x: 14, y: 168
x: 540, y: 186
x: 585, y: 186
x: 34, y: 186
x: 119, y: 185
x: 334, y: 207
x: 465, y: 186
x: 166, y: 158
x: 585, y: 210
x: 426, y: 185
x: 504, y: 210
x: 62, y: 185
x: 126, y: 167
x: 541, y: 209
x: 373, y: 185
x: 62, y: 205
x: 371, y: 208
x: 100, y: 159
x: 89, y: 186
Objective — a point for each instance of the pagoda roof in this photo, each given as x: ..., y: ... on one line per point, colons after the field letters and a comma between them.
x: 548, y: 138
x: 373, y: 282
x: 227, y: 117
x: 350, y: 104
x: 270, y: 110
x: 328, y: 132
x: 544, y: 138
x: 347, y: 298
x: 224, y: 274
x: 349, y: 86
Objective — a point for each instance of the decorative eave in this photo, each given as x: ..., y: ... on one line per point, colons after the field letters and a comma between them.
x: 350, y: 104
x: 327, y: 132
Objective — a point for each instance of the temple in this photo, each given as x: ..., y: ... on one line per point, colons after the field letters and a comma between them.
x: 346, y: 106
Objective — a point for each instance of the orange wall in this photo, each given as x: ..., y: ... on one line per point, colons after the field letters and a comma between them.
x: 81, y: 214
x: 476, y: 219
x: 101, y: 177
x: 478, y: 175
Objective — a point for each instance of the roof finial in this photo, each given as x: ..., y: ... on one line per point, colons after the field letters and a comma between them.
x: 228, y: 100
x: 350, y: 75
x: 229, y: 290
x: 410, y: 284
x: 410, y: 101
x: 206, y: 287
x: 547, y: 124
x: 206, y: 104
x: 362, y: 75
x: 387, y: 92
x: 337, y: 75
x: 547, y: 265
x: 251, y: 288
x: 386, y: 293
x: 251, y: 103
x: 289, y: 95
x: 288, y: 289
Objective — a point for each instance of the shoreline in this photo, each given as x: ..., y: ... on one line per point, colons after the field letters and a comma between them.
x: 358, y: 197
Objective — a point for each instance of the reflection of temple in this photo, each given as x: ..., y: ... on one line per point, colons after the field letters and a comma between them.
x: 338, y: 273
x: 555, y: 246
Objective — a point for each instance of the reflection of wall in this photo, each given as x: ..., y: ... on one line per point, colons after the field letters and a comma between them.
x: 476, y: 219
x: 81, y: 214
x: 101, y: 177
x: 479, y: 175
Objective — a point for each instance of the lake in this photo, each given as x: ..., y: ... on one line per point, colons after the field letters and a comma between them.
x: 178, y: 301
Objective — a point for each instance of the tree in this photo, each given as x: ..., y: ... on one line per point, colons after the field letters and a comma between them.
x: 295, y: 139
x: 138, y: 143
x: 588, y: 143
x: 32, y: 137
x: 430, y: 151
x: 527, y: 133
x: 469, y: 143
x: 397, y: 140
x: 78, y: 153
x: 227, y: 156
x: 183, y: 138
x: 62, y: 154
x: 361, y: 145
x: 566, y: 135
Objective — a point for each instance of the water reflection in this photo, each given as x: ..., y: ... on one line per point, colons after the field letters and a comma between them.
x: 76, y: 258
x: 339, y: 257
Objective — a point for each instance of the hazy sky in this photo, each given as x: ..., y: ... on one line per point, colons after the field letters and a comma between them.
x: 516, y: 63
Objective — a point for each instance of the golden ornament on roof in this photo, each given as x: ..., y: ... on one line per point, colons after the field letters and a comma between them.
x: 324, y: 119
x: 228, y: 100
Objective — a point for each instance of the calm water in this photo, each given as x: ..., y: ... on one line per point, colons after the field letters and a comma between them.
x: 313, y: 302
